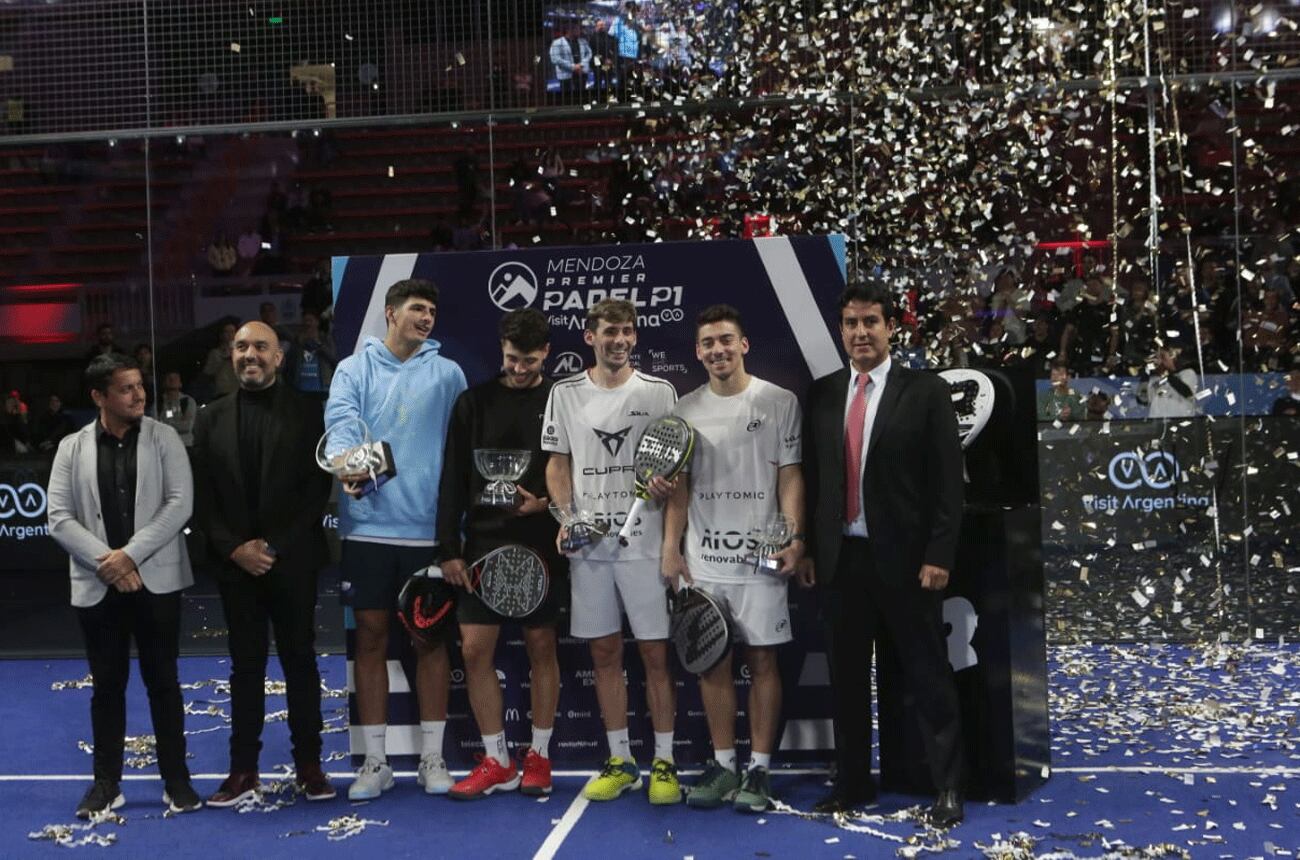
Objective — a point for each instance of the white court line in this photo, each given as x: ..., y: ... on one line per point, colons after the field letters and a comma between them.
x: 1155, y: 768
x: 561, y: 830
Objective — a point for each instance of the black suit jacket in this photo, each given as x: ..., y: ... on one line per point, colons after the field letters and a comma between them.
x: 294, y: 489
x: 912, y: 489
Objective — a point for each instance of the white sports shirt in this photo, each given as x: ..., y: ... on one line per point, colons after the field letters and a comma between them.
x: 599, y: 428
x: 741, y: 442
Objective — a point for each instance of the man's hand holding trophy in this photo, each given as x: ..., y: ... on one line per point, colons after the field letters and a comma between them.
x: 361, y: 464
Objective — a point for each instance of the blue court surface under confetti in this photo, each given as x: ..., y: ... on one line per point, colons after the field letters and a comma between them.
x: 1158, y: 751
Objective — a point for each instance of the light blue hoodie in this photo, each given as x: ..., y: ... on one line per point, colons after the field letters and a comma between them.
x: 408, y: 405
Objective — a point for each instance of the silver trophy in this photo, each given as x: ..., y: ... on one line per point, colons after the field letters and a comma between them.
x: 583, y: 528
x: 768, y: 534
x: 501, y: 467
x: 346, y: 451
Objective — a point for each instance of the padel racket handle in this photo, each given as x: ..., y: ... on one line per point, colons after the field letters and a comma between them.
x: 632, y: 516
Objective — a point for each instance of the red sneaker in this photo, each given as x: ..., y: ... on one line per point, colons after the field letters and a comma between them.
x: 537, y: 774
x: 488, y: 777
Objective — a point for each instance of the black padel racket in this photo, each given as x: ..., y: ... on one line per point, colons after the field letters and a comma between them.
x: 700, y: 627
x: 511, y: 580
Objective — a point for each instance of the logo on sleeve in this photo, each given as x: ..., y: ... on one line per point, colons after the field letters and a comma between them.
x: 613, y: 442
x: 754, y: 425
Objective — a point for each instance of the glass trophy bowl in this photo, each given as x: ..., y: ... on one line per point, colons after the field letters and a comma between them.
x: 583, y: 528
x: 346, y: 449
x: 768, y: 534
x: 501, y: 467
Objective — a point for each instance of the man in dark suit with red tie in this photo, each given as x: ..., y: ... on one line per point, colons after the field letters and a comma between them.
x: 883, y: 466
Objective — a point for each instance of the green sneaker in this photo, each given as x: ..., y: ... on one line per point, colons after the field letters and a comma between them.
x: 664, y: 788
x: 717, y: 786
x: 755, y: 793
x: 617, y: 776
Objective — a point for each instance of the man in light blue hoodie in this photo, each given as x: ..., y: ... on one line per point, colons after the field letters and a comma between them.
x: 404, y: 391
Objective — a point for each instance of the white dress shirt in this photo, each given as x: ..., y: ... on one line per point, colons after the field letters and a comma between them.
x: 875, y: 387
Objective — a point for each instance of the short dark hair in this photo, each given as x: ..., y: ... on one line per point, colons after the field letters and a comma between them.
x: 716, y: 314
x: 421, y: 288
x: 870, y: 292
x: 610, y: 310
x: 526, y: 328
x: 100, y: 372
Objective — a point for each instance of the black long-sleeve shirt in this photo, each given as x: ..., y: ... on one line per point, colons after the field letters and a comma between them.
x: 490, y: 415
x: 115, y: 465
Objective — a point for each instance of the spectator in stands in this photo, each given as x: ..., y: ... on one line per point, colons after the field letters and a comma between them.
x: 1138, y: 327
x: 320, y: 208
x: 143, y: 355
x: 1170, y: 392
x: 104, y: 343
x: 14, y: 431
x: 52, y: 425
x: 176, y: 408
x: 604, y: 57
x: 249, y: 246
x: 1097, y: 407
x: 310, y: 366
x: 627, y: 32
x: 1265, y: 332
x: 268, y: 313
x: 570, y: 54
x: 217, y: 367
x: 318, y: 291
x: 222, y: 256
x: 1040, y: 347
x: 466, y: 170
x: 1090, y: 339
x: 1060, y: 402
x: 1289, y: 403
x: 1007, y: 302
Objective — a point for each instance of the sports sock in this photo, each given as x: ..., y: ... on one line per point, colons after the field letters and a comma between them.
x: 373, y: 741
x: 763, y: 760
x: 726, y: 758
x: 431, y: 732
x: 495, y: 746
x: 542, y: 741
x: 664, y: 746
x: 620, y: 745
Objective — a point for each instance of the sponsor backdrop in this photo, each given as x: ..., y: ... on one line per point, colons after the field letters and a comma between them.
x: 784, y: 287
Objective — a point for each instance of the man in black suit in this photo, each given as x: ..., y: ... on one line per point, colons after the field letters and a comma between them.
x: 883, y: 538
x: 260, y: 498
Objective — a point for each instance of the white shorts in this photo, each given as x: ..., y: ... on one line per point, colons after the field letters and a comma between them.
x: 759, y: 608
x: 604, y: 590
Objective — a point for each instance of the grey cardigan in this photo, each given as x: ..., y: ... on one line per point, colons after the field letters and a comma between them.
x: 164, y: 499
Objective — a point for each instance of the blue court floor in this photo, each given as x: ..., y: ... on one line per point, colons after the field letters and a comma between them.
x: 1159, y: 751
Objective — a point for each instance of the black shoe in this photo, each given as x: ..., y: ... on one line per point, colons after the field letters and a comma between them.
x: 180, y: 796
x: 102, y: 796
x: 844, y: 799
x: 947, y: 810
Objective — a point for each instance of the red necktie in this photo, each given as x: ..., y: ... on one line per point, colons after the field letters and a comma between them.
x: 853, y: 449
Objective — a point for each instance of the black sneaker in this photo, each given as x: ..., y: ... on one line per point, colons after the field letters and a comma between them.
x: 102, y: 796
x: 181, y: 797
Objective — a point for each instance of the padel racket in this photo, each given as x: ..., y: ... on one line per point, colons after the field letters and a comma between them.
x: 701, y: 628
x: 511, y: 580
x: 664, y: 449
x: 426, y: 605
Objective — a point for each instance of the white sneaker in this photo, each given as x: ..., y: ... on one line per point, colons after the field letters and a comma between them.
x: 373, y: 779
x: 433, y: 774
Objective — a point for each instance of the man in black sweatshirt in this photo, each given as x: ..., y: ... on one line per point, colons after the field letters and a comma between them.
x: 505, y: 412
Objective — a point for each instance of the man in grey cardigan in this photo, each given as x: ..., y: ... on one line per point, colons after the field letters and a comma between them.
x: 120, y: 492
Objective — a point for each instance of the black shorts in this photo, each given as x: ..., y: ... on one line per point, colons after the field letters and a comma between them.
x: 471, y: 610
x: 377, y: 571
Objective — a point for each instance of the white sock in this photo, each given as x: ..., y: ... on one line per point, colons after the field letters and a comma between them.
x: 542, y: 741
x: 664, y: 746
x: 620, y: 745
x: 431, y: 732
x: 763, y: 760
x: 495, y: 746
x: 726, y: 758
x: 373, y: 740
